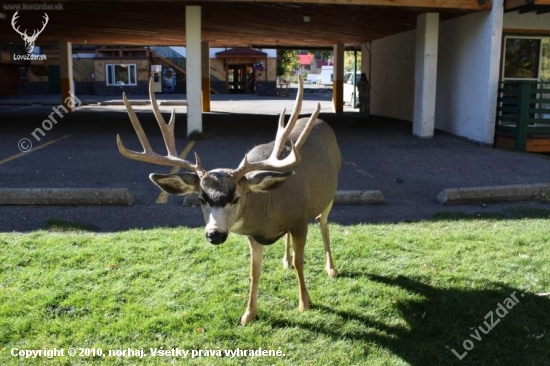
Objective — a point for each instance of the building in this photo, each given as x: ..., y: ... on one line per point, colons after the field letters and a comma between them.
x: 444, y: 65
x: 467, y: 59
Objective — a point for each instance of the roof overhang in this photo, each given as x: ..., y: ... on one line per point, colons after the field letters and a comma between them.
x: 527, y: 6
x: 246, y: 23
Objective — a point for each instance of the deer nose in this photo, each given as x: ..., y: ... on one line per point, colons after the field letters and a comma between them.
x: 216, y: 237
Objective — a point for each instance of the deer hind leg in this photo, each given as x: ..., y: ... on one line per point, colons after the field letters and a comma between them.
x: 299, y: 235
x: 256, y: 258
x: 323, y: 222
x: 287, y: 257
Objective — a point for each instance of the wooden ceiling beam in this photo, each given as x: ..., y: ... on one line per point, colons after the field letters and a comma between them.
x: 231, y: 23
x: 525, y: 6
x: 434, y: 4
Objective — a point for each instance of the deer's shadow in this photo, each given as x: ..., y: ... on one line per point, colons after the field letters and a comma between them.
x: 449, y: 319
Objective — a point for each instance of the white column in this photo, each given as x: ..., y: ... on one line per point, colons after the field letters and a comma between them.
x: 425, y: 74
x: 194, y: 68
x: 66, y: 71
x: 205, y: 49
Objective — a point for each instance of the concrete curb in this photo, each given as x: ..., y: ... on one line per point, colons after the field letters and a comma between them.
x: 493, y: 194
x: 175, y: 103
x: 359, y: 198
x: 66, y: 196
x: 120, y: 102
x: 341, y: 198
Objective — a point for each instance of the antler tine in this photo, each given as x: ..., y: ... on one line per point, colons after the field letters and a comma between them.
x: 13, y: 21
x: 282, y: 131
x: 293, y: 158
x: 46, y: 18
x: 137, y: 125
x: 148, y: 155
x: 167, y: 130
x: 270, y: 164
x: 309, y: 125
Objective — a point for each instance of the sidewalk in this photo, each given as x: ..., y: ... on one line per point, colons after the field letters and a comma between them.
x: 310, y: 92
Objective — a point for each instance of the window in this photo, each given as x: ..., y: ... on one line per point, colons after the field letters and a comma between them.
x: 121, y: 74
x: 526, y: 58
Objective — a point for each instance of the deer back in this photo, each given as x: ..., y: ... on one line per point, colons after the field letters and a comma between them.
x: 304, y: 195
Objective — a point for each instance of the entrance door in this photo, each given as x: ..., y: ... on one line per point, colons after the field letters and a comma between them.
x: 54, y: 78
x: 236, y: 79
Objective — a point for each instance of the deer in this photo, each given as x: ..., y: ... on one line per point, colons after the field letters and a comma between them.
x: 29, y: 40
x: 275, y: 191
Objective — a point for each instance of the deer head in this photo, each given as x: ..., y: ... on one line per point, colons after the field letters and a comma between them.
x: 29, y: 40
x: 223, y: 192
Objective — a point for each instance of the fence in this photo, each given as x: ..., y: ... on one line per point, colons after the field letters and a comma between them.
x: 523, y: 112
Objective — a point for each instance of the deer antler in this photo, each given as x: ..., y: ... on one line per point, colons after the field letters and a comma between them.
x: 273, y: 162
x: 24, y: 34
x: 36, y: 32
x: 13, y: 19
x: 167, y: 130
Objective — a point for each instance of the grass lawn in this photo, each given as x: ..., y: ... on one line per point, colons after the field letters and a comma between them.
x: 407, y: 294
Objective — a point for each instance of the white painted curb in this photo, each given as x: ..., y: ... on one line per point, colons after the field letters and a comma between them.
x: 492, y: 194
x: 66, y: 196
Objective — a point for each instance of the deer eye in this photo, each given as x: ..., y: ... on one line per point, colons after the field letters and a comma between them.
x: 235, y: 200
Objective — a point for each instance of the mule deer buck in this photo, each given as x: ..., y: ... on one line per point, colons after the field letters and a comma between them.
x: 29, y: 40
x: 277, y: 188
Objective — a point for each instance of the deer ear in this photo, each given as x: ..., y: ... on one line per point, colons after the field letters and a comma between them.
x: 265, y: 181
x: 183, y: 183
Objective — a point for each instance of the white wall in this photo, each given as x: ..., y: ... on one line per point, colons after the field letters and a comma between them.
x: 468, y: 74
x: 392, y: 80
x: 515, y: 20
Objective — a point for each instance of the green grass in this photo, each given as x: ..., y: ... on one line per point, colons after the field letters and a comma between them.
x: 407, y: 294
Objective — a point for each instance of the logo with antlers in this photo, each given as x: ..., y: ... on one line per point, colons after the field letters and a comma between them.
x: 29, y: 40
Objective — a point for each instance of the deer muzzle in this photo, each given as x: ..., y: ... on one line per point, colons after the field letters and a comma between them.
x: 216, y: 237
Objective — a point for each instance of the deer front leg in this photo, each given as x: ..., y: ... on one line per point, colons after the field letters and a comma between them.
x: 299, y: 236
x: 287, y: 258
x: 256, y: 258
x: 323, y: 222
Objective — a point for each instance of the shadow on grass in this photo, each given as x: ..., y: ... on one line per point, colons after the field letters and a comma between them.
x: 493, y: 329
x: 64, y: 226
x: 510, y: 213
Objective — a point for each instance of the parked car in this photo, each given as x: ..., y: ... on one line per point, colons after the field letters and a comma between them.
x: 349, y: 91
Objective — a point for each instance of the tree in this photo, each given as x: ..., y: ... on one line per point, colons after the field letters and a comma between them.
x: 288, y: 62
x: 349, y: 61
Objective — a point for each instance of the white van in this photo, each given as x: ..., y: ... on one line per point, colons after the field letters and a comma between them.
x: 327, y: 75
x: 349, y: 92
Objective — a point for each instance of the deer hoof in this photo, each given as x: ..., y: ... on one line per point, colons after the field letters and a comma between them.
x: 332, y: 272
x: 304, y: 304
x: 247, y: 317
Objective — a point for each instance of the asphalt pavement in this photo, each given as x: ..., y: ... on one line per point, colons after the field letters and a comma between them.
x: 79, y: 151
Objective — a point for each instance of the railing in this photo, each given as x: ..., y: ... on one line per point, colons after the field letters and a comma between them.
x: 523, y: 111
x: 170, y: 55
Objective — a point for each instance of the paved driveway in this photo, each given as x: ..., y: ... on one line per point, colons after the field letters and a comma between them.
x: 379, y: 154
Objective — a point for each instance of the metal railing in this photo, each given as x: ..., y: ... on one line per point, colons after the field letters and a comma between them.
x: 171, y: 55
x: 523, y: 111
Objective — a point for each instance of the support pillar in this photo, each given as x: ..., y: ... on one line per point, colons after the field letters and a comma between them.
x: 425, y: 74
x: 338, y: 79
x: 194, y: 68
x: 66, y: 71
x: 205, y: 49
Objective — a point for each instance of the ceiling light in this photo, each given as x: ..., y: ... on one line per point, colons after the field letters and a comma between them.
x: 307, y: 19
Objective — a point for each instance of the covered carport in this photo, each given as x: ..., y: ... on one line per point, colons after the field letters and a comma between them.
x: 275, y: 24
